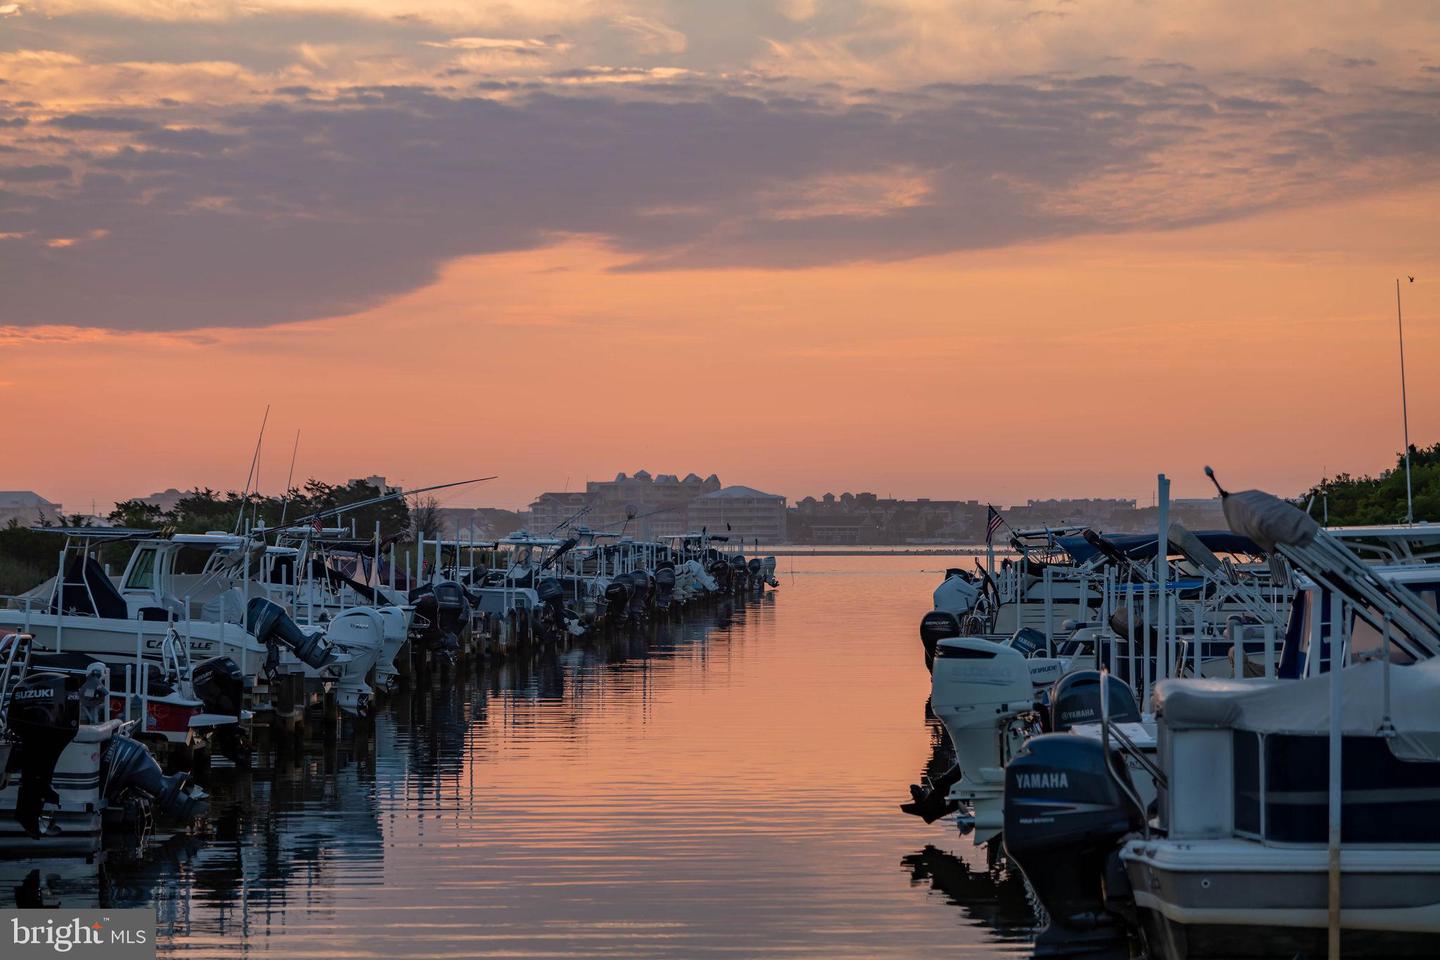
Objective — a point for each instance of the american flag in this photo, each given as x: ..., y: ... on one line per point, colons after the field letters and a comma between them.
x: 992, y: 523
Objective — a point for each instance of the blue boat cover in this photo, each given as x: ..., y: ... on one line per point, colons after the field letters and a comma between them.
x: 1141, y: 546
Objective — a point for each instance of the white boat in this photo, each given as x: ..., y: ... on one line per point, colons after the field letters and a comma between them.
x: 197, y: 587
x: 1296, y: 816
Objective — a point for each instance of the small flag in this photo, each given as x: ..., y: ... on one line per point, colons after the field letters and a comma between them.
x: 319, y: 525
x: 992, y: 523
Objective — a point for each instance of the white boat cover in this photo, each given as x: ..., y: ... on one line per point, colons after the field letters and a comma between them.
x: 1303, y: 706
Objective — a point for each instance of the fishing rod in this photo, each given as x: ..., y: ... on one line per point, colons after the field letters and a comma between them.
x: 383, y: 498
x: 254, y: 461
x: 571, y: 519
x: 290, y: 479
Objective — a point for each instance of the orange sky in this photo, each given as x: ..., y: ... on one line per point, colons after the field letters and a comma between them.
x: 1215, y: 304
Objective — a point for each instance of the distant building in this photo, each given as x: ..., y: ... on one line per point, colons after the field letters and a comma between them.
x: 27, y: 508
x: 865, y: 518
x: 1114, y: 514
x: 742, y: 512
x: 550, y: 511
x: 647, y: 506
x: 1199, y: 513
x: 378, y: 482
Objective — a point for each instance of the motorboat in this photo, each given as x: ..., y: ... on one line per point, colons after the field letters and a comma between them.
x: 1294, y: 815
x: 73, y: 770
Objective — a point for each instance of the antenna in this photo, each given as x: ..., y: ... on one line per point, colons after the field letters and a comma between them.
x: 1211, y: 474
x: 1404, y: 406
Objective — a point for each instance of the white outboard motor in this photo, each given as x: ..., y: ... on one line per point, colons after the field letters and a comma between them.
x: 360, y: 632
x: 397, y: 632
x: 958, y: 594
x: 981, y: 690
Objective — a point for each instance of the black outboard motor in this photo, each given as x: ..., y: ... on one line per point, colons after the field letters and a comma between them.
x: 552, y: 599
x: 220, y: 685
x: 664, y: 586
x: 935, y: 626
x: 617, y: 596
x: 44, y: 715
x: 1075, y: 698
x: 639, y: 583
x: 270, y: 624
x: 445, y: 607
x: 738, y: 572
x: 756, y: 569
x: 720, y: 569
x: 1067, y: 807
x: 127, y: 765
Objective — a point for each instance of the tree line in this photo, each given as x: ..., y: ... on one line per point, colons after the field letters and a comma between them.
x: 1344, y: 500
x: 28, y: 556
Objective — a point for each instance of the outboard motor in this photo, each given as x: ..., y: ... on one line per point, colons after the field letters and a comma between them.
x: 270, y: 624
x: 127, y: 765
x: 958, y: 593
x: 44, y: 716
x: 739, y: 572
x: 1075, y: 698
x: 552, y: 598
x: 720, y: 570
x: 1067, y: 807
x: 935, y: 626
x: 664, y: 586
x: 446, y: 607
x: 220, y: 685
x: 617, y: 597
x: 756, y: 569
x: 639, y: 583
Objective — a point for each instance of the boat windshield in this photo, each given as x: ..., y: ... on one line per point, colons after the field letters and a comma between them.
x: 191, y: 558
x: 142, y: 570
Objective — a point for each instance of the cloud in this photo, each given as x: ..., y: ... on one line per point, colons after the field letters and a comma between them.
x: 312, y: 158
x: 85, y: 122
x: 36, y: 173
x: 492, y: 43
x: 287, y: 210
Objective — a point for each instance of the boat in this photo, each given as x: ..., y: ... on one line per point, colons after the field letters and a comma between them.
x: 201, y: 588
x: 73, y: 770
x: 1295, y: 815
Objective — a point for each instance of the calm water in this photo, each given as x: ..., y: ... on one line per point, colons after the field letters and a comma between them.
x: 726, y: 786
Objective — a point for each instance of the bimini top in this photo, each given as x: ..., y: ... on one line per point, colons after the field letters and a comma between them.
x: 1141, y: 546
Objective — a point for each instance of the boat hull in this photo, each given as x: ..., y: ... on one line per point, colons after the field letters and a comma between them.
x: 1238, y: 899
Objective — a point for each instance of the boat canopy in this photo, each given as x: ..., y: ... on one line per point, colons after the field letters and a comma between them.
x: 1141, y: 546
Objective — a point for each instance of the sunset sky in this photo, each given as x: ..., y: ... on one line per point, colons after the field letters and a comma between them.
x: 994, y: 249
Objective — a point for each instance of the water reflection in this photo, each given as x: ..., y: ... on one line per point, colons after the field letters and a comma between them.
x: 722, y: 785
